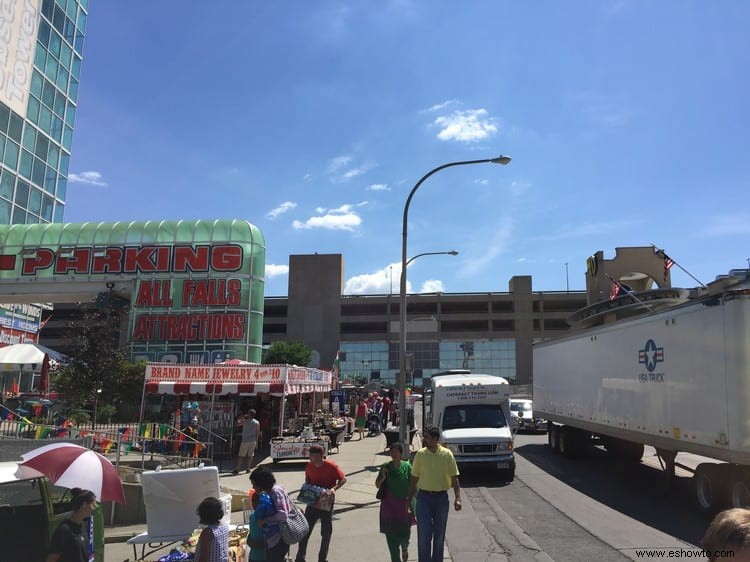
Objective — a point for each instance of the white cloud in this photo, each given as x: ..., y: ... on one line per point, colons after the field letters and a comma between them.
x: 90, y: 178
x: 342, y: 169
x: 281, y: 209
x: 432, y: 286
x: 466, y: 126
x: 320, y: 210
x: 443, y: 105
x: 378, y: 187
x: 727, y: 225
x: 276, y: 270
x: 518, y: 188
x: 343, y: 218
x: 307, y: 177
x: 381, y: 282
x: 495, y: 246
x: 482, y: 181
x: 336, y: 164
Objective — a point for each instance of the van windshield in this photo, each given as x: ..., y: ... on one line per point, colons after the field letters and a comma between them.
x: 473, y: 415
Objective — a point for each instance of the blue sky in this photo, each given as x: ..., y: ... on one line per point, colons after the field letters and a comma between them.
x: 627, y: 122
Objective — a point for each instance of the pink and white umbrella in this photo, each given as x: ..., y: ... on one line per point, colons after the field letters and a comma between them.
x: 72, y: 466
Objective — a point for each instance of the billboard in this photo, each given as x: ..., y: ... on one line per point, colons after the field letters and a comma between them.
x: 195, y: 287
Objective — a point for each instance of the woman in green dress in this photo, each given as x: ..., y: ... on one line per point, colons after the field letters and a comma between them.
x: 396, y: 514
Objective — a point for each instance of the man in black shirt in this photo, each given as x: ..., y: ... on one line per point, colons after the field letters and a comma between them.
x: 68, y: 543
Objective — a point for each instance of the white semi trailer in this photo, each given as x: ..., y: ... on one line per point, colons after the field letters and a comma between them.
x: 677, y: 379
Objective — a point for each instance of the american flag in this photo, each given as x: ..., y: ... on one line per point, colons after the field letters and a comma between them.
x: 614, y: 290
x: 668, y: 263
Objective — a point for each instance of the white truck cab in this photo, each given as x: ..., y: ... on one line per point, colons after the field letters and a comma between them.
x: 472, y: 412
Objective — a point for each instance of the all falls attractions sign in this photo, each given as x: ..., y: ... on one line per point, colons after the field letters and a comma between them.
x: 195, y: 289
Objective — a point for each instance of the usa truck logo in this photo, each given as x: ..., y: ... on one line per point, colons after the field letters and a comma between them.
x: 650, y: 355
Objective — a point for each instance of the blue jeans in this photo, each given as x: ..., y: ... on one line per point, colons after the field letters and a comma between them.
x: 432, y: 519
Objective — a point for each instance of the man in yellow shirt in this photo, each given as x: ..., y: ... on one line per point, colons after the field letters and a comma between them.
x: 434, y: 471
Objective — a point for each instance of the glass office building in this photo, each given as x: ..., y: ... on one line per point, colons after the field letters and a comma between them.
x: 43, y: 45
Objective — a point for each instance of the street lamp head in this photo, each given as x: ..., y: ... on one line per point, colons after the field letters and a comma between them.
x: 502, y: 159
x: 453, y: 253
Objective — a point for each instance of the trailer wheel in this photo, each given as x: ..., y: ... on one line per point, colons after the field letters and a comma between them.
x: 707, y: 487
x: 552, y: 437
x: 739, y: 493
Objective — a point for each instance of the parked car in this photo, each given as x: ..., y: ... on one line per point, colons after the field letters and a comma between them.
x: 522, y: 410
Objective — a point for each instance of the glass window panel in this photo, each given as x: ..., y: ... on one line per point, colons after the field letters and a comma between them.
x: 59, y: 212
x: 50, y: 69
x: 69, y: 30
x: 22, y: 193
x: 65, y: 54
x: 37, y: 82
x: 35, y: 201
x: 19, y: 215
x: 4, y: 117
x: 6, y: 184
x: 48, y: 8
x: 15, y: 127
x: 59, y: 105
x: 70, y: 10
x: 47, y: 208
x: 62, y: 187
x: 73, y: 89
x: 54, y: 44
x: 58, y: 19
x: 45, y: 119
x: 85, y: 4
x: 24, y: 168
x: 49, y: 179
x: 79, y: 43
x: 40, y: 56
x: 70, y: 114
x: 29, y: 138
x: 10, y: 157
x: 37, y: 172
x: 5, y: 209
x: 64, y: 164
x: 53, y: 153
x: 67, y: 138
x: 62, y: 79
x: 81, y: 22
x: 56, y: 129
x: 33, y: 111
x: 48, y: 94
x: 75, y: 69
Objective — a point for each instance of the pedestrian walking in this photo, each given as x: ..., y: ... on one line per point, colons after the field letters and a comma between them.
x: 396, y: 517
x: 385, y: 412
x: 248, y: 441
x: 213, y: 543
x: 326, y: 474
x: 433, y: 472
x: 728, y: 536
x: 361, y: 417
x: 270, y: 516
x: 68, y: 543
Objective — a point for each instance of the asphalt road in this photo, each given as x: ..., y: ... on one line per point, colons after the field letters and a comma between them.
x: 592, y: 508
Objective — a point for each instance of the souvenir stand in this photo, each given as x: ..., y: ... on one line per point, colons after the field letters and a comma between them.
x: 278, y: 381
x: 298, y: 429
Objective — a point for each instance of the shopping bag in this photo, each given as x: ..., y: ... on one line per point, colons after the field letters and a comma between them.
x: 295, y: 528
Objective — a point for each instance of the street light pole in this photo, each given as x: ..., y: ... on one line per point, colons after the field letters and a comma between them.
x: 403, y: 432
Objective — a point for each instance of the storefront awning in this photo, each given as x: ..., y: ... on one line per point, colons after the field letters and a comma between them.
x: 219, y: 389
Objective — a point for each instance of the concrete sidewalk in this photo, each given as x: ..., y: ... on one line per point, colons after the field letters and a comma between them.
x: 356, y: 535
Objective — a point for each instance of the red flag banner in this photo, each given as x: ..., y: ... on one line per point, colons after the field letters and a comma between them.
x: 614, y: 290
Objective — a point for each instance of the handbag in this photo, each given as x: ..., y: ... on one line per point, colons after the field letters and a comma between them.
x: 381, y: 492
x: 295, y: 528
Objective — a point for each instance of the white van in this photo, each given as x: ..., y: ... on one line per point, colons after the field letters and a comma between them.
x: 472, y: 412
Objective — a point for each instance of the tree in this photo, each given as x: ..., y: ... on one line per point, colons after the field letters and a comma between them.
x: 100, y: 362
x: 287, y: 353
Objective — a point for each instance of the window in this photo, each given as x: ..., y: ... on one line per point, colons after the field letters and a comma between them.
x: 473, y: 415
